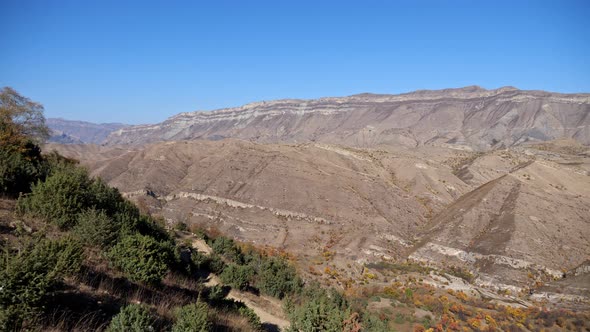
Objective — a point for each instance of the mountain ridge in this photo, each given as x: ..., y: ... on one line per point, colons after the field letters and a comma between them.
x: 470, y: 117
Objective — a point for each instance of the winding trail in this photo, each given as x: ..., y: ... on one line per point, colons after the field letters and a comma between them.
x: 267, y: 308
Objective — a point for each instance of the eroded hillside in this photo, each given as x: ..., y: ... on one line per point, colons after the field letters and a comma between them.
x: 516, y: 218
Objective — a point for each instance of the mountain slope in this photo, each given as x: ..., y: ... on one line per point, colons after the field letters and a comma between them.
x: 266, y: 193
x: 470, y: 117
x: 75, y: 132
x: 533, y: 219
x: 501, y: 214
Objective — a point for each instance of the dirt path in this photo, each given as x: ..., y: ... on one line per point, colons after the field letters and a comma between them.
x: 267, y: 308
x: 201, y: 246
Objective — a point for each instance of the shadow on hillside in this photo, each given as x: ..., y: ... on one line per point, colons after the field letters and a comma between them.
x: 75, y: 310
x: 95, y: 297
x: 270, y: 327
x: 90, y: 302
x: 5, y: 229
x: 166, y: 294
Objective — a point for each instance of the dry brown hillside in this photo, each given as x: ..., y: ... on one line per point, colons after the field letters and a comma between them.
x: 516, y: 218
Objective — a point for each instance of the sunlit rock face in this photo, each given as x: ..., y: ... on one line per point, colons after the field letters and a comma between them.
x: 468, y: 118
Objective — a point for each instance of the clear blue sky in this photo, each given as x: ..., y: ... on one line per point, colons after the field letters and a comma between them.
x: 143, y: 61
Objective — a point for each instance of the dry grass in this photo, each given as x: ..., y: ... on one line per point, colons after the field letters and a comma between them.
x: 229, y: 321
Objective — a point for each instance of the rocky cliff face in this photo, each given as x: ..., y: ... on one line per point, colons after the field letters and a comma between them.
x: 472, y: 117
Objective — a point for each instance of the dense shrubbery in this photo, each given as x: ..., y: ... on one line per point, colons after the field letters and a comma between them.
x: 310, y: 309
x: 237, y: 276
x: 60, y: 198
x: 142, y: 258
x: 193, y: 318
x: 101, y: 217
x: 277, y: 278
x: 227, y: 248
x: 374, y: 324
x: 28, y: 277
x: 132, y: 318
x: 318, y: 310
x: 19, y: 168
x: 217, y: 293
x: 216, y: 264
x: 200, y: 260
x: 273, y: 276
x: 96, y: 228
x: 68, y: 191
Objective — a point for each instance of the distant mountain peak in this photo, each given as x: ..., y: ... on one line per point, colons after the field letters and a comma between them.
x: 75, y: 132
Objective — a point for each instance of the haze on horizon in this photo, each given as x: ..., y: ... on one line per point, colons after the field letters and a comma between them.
x: 134, y: 62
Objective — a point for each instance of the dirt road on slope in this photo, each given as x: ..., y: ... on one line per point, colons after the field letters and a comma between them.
x: 267, y: 308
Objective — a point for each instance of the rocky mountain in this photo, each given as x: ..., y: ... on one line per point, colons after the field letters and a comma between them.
x: 75, y: 132
x: 511, y: 216
x: 470, y: 118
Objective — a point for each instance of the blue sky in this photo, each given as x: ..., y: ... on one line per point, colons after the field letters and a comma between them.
x: 143, y: 61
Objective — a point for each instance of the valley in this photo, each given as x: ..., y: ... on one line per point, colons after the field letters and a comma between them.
x: 516, y: 219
